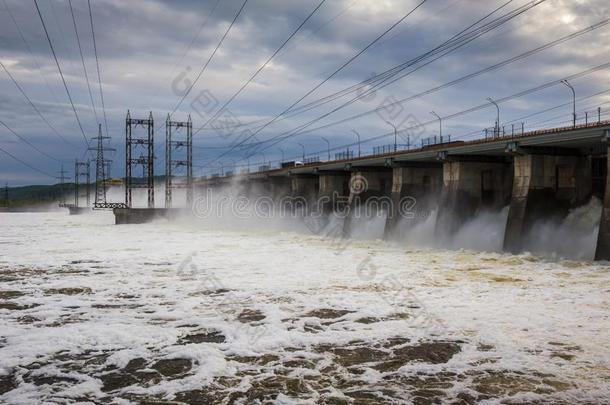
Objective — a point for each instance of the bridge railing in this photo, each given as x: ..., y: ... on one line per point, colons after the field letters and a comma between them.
x: 313, y: 159
x: 347, y: 155
x: 588, y: 119
x: 435, y: 140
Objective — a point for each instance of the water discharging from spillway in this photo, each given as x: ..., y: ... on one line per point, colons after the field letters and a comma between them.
x: 250, y: 310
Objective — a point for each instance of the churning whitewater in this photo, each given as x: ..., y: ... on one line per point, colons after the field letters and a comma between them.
x: 185, y: 312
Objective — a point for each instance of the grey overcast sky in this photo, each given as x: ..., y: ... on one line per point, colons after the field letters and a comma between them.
x: 146, y: 63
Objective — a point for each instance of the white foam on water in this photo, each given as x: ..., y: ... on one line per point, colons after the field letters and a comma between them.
x: 574, y: 237
x: 134, y: 291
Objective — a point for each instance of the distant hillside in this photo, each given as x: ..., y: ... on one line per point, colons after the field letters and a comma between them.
x: 34, y: 195
x: 44, y: 194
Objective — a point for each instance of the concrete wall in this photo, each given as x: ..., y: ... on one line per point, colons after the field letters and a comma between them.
x: 415, y: 192
x: 334, y: 191
x: 370, y: 192
x: 304, y: 187
x: 123, y: 216
x: 469, y: 186
x: 377, y: 182
x: 544, y: 187
x: 274, y: 187
x: 280, y: 187
x: 79, y: 210
x: 602, y: 250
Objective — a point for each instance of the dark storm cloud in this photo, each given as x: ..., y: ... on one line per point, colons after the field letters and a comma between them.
x: 142, y: 43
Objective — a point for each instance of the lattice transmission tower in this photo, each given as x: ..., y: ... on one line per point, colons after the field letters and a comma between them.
x: 62, y: 182
x: 101, y: 171
x: 184, y: 147
x: 82, y: 171
x: 146, y: 159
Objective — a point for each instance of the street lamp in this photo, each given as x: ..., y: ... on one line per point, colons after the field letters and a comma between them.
x: 358, y: 135
x: 573, y: 101
x: 264, y: 158
x: 395, y: 135
x: 440, y: 125
x: 302, y: 146
x: 282, y: 150
x: 327, y: 145
x: 497, y: 128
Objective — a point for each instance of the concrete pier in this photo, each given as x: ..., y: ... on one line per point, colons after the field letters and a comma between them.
x: 602, y: 250
x: 279, y: 187
x: 334, y: 191
x: 123, y: 216
x: 370, y: 191
x: 254, y: 188
x: 305, y: 187
x: 545, y: 187
x: 79, y: 210
x: 471, y: 183
x: 415, y: 190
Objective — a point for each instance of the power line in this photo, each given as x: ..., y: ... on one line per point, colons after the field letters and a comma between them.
x: 309, y: 106
x: 82, y: 58
x: 201, y: 27
x: 301, y: 129
x: 188, y: 91
x: 511, y: 60
x: 61, y: 74
x: 483, y: 106
x: 28, y: 142
x: 264, y: 65
x: 559, y: 106
x: 343, y: 66
x: 533, y: 90
x: 29, y: 49
x: 458, y: 40
x: 33, y: 105
x: 97, y: 64
x: 286, y: 49
x: 379, y: 78
x: 190, y: 45
x: 205, y: 65
x: 60, y: 28
x: 26, y: 163
x: 374, y: 138
x: 376, y: 81
x: 530, y: 125
x: 298, y: 110
x: 571, y: 121
x: 321, y: 26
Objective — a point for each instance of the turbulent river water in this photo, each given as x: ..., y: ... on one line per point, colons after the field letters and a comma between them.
x: 186, y: 312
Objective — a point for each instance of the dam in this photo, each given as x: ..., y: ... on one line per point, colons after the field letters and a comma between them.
x: 538, y: 175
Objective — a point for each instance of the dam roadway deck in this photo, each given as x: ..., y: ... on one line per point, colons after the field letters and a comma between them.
x: 582, y: 137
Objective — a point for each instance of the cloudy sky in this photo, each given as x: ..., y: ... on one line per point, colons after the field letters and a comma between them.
x: 151, y: 51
